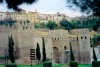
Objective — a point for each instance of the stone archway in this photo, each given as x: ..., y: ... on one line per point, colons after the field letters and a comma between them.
x: 56, y: 54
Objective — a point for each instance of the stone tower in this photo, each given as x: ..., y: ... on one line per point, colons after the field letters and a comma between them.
x: 25, y: 40
x: 59, y: 44
x: 84, y: 45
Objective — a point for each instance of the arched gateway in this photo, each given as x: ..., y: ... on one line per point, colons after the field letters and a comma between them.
x: 56, y: 54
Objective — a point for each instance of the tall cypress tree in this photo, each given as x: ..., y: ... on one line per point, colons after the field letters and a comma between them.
x: 71, y: 53
x: 94, y: 55
x: 44, y: 51
x: 11, y: 49
x: 38, y: 54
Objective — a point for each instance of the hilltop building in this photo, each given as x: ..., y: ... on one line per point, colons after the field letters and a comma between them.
x: 33, y: 16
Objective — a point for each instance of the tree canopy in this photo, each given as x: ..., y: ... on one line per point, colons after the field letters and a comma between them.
x: 66, y: 24
x: 51, y: 25
x: 44, y: 51
x: 71, y: 53
x: 11, y: 49
x: 13, y: 4
x: 38, y: 53
x: 87, y: 6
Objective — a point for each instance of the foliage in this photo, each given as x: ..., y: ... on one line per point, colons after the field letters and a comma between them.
x: 71, y: 53
x: 94, y: 55
x: 47, y: 64
x: 40, y: 25
x: 36, y: 25
x: 92, y: 23
x: 43, y: 25
x: 97, y: 25
x: 87, y: 6
x: 73, y: 64
x: 11, y: 65
x: 7, y: 22
x: 51, y: 25
x: 38, y: 54
x: 95, y: 40
x: 13, y: 4
x: 11, y: 49
x: 44, y: 51
x: 66, y: 24
x: 95, y: 63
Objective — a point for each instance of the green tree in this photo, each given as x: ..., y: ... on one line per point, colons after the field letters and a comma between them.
x: 95, y: 27
x: 94, y: 55
x: 87, y: 6
x: 73, y: 23
x: 51, y: 25
x: 11, y: 49
x: 95, y: 40
x: 38, y: 54
x: 42, y: 25
x: 66, y: 24
x: 71, y: 53
x: 13, y: 4
x: 36, y: 25
x: 91, y: 7
x: 44, y: 51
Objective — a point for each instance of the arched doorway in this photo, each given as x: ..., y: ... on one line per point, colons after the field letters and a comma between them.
x: 56, y: 54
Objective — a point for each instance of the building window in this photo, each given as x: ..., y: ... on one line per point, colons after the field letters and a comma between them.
x: 24, y: 22
x: 77, y: 38
x: 26, y: 27
x: 85, y: 37
x: 23, y: 28
x: 81, y: 37
x: 58, y: 38
x: 55, y: 38
x: 65, y: 47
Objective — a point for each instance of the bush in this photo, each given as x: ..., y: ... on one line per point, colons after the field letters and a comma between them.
x: 47, y: 64
x: 11, y: 65
x: 95, y: 63
x: 73, y: 64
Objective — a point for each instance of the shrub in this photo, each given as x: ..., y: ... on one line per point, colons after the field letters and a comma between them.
x: 47, y: 64
x: 95, y: 63
x: 73, y: 64
x: 11, y: 65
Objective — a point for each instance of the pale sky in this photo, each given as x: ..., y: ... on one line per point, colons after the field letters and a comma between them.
x: 47, y: 6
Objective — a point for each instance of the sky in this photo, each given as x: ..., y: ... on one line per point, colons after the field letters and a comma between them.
x: 48, y: 7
